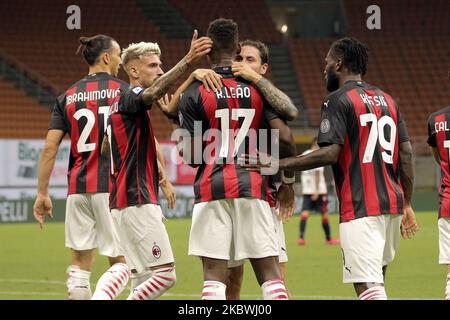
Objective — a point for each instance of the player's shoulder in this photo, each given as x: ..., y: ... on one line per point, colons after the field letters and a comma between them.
x: 336, y: 97
x: 432, y: 116
x: 192, y: 91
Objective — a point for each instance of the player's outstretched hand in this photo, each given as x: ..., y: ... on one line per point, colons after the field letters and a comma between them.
x: 42, y: 207
x: 163, y: 103
x: 409, y: 226
x: 243, y: 70
x: 199, y: 48
x: 286, y: 201
x: 211, y: 80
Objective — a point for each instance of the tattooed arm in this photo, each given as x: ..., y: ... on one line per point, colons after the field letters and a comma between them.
x: 199, y: 48
x: 277, y: 99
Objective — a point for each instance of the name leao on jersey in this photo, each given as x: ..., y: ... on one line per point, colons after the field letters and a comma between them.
x: 92, y: 95
x: 375, y: 101
x: 441, y: 126
x: 231, y: 92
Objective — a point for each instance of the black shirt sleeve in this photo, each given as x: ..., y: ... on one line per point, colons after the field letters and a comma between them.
x: 333, y: 123
x: 269, y: 113
x: 402, y: 131
x: 131, y: 101
x: 431, y: 132
x: 59, y: 119
x: 188, y: 112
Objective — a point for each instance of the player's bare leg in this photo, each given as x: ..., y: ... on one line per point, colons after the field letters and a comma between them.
x: 215, y: 272
x: 326, y: 229
x: 113, y: 281
x: 282, y: 267
x: 153, y: 282
x: 79, y: 273
x: 303, y: 219
x: 234, y: 283
x: 269, y: 278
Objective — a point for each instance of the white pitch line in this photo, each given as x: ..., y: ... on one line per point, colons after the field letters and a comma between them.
x: 169, y: 294
x: 33, y: 281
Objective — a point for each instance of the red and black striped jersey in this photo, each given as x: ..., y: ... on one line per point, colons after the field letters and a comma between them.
x: 82, y: 112
x: 134, y: 164
x: 227, y: 119
x: 367, y: 123
x: 439, y: 138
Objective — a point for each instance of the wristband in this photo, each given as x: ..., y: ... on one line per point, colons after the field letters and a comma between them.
x: 287, y: 180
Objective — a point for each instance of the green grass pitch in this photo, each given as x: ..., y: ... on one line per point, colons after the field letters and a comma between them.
x: 33, y: 264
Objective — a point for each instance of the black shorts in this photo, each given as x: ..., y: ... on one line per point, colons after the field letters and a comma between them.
x: 320, y: 205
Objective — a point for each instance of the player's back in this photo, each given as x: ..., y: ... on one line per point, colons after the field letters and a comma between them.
x: 231, y: 120
x: 439, y: 138
x: 84, y: 108
x: 366, y: 122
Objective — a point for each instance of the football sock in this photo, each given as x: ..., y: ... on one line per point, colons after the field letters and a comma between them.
x: 374, y: 293
x: 78, y: 286
x: 274, y: 290
x: 160, y: 281
x: 302, y: 227
x: 213, y: 290
x: 326, y: 228
x: 112, y: 282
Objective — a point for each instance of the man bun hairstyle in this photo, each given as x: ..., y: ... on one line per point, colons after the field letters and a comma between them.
x: 354, y: 53
x: 94, y: 46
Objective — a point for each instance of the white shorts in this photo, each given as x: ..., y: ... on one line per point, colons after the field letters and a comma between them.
x: 89, y: 224
x: 143, y: 236
x: 279, y: 230
x: 444, y: 240
x: 368, y: 244
x: 233, y: 229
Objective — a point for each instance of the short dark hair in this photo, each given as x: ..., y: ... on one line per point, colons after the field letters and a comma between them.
x: 262, y: 48
x: 353, y: 52
x: 94, y: 46
x: 224, y: 34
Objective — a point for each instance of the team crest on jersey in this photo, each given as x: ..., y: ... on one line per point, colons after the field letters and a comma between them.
x: 137, y: 90
x: 325, y: 126
x: 156, y: 251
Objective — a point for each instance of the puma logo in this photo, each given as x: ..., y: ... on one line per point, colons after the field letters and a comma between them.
x: 326, y: 103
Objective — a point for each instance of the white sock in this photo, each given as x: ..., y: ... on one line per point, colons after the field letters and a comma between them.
x: 374, y: 293
x: 274, y: 290
x: 112, y: 282
x: 447, y: 288
x: 137, y: 278
x: 78, y: 286
x: 213, y: 290
x: 161, y: 281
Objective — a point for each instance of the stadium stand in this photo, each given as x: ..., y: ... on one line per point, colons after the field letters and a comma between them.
x: 21, y: 116
x: 201, y: 12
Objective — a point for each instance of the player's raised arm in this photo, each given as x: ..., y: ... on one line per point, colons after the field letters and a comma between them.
x: 278, y: 100
x: 199, y: 48
x: 43, y: 204
x: 210, y: 79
